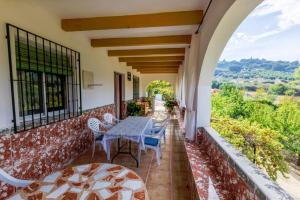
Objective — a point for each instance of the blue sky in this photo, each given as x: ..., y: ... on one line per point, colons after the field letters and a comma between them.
x: 271, y: 31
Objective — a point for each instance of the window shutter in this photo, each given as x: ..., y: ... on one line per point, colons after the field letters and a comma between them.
x: 54, y: 63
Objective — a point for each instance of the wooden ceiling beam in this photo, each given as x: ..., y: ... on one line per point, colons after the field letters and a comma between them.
x: 140, y: 52
x: 151, y: 59
x: 133, y: 21
x: 155, y: 67
x: 167, y: 63
x: 158, y: 71
x: 138, y: 41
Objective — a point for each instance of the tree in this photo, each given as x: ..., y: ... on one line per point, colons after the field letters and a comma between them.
x: 232, y: 97
x: 287, y: 122
x: 258, y: 123
x: 235, y: 68
x: 216, y: 85
x: 290, y: 92
x: 297, y: 73
x: 278, y: 89
x: 260, y: 145
x: 160, y: 87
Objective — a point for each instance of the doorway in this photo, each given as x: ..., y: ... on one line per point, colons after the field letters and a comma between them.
x: 119, y: 93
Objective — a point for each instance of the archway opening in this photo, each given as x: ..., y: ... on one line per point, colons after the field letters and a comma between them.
x: 256, y: 92
x: 162, y: 95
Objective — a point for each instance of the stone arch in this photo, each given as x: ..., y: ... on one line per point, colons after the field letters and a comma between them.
x: 147, y: 79
x: 222, y: 19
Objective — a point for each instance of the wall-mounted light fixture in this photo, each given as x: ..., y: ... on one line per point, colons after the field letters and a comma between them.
x: 129, y: 76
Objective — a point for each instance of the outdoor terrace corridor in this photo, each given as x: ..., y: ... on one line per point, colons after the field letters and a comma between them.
x: 169, y: 180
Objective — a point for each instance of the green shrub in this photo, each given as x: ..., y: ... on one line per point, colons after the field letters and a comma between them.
x: 170, y: 103
x: 134, y: 109
x: 261, y: 145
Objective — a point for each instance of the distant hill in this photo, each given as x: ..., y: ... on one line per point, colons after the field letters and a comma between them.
x: 257, y: 68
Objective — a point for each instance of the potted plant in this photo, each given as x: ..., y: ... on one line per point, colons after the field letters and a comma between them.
x: 170, y: 103
x: 133, y: 109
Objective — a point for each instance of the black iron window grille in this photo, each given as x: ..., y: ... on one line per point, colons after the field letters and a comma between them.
x: 45, y: 80
x: 136, y: 87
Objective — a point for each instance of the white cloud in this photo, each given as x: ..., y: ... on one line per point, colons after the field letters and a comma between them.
x: 280, y: 16
x: 287, y: 16
x: 288, y: 12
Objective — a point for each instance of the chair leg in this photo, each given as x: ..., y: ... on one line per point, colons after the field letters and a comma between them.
x: 139, y: 154
x: 108, y: 151
x: 157, y: 156
x: 165, y: 137
x: 160, y: 152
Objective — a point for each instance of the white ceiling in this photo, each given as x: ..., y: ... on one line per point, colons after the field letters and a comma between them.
x: 96, y: 8
x: 92, y: 8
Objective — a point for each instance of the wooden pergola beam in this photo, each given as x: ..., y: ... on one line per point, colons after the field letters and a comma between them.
x: 141, y: 52
x: 155, y: 67
x: 167, y: 63
x: 151, y: 59
x: 133, y: 21
x: 137, y: 41
x: 158, y: 71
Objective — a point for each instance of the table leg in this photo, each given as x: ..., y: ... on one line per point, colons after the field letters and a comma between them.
x: 122, y: 152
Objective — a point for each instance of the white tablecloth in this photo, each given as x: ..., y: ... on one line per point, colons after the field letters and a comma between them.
x: 132, y: 128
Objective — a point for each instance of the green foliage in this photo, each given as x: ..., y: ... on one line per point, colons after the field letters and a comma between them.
x: 287, y: 121
x: 235, y: 68
x: 256, y: 68
x: 290, y: 92
x: 230, y: 96
x: 279, y: 89
x: 134, y: 109
x: 170, y: 103
x: 259, y: 144
x: 160, y: 87
x: 257, y: 121
x: 297, y: 73
x: 149, y: 100
x: 216, y: 84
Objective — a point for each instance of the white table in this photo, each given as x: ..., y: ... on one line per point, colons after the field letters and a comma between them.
x: 133, y: 129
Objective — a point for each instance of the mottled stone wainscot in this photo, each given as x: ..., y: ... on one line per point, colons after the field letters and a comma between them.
x: 35, y: 153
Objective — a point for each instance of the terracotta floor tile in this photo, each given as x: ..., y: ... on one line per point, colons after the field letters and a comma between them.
x: 159, y: 192
x: 163, y: 182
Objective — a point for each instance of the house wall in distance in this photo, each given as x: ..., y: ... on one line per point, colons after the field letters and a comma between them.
x: 44, y: 23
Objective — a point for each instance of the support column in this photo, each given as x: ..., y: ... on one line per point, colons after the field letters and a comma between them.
x: 204, y: 106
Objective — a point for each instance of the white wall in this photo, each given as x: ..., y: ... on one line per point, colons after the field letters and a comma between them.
x: 41, y: 22
x: 148, y: 78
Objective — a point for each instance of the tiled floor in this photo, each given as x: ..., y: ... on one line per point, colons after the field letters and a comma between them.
x: 169, y: 180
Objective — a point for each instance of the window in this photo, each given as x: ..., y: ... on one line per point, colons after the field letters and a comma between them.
x: 136, y: 87
x: 45, y: 80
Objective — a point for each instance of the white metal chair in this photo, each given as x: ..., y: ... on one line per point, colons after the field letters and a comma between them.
x: 7, y: 178
x: 157, y: 126
x: 110, y: 119
x: 153, y: 142
x: 94, y: 124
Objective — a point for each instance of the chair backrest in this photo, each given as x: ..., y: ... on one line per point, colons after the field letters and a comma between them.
x: 94, y: 124
x: 6, y: 178
x: 162, y: 129
x: 166, y: 121
x: 108, y: 117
